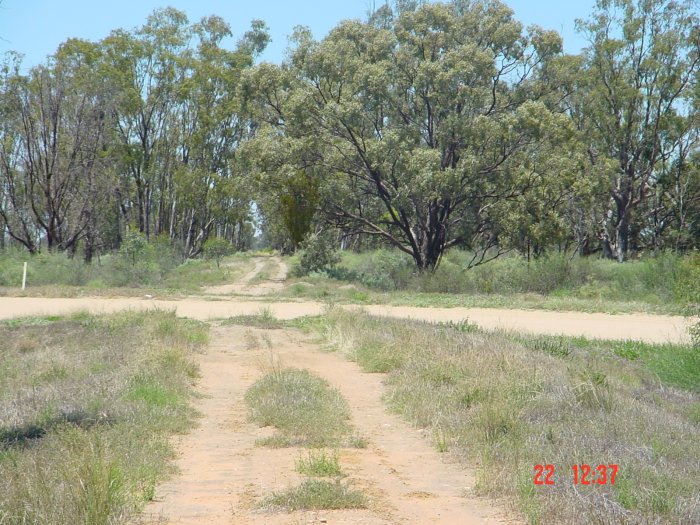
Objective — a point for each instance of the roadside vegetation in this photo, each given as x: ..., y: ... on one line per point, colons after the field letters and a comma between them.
x: 86, y: 407
x: 147, y: 266
x: 663, y: 284
x: 505, y: 403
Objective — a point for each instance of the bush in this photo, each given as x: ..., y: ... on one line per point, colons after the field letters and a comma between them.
x: 382, y: 269
x: 667, y: 278
x: 687, y: 287
x: 319, y: 254
x: 217, y: 248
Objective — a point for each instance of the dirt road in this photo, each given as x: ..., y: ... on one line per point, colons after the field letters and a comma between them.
x: 224, y: 475
x: 249, y: 285
x: 643, y: 327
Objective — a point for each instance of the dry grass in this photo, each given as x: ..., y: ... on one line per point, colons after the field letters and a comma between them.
x: 303, y: 408
x: 316, y: 494
x: 504, y: 406
x: 86, y: 405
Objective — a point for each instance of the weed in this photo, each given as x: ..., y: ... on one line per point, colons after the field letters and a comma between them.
x: 319, y: 463
x: 314, y: 494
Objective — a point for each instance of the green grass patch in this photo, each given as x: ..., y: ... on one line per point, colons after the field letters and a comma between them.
x: 86, y: 407
x: 315, y: 494
x: 303, y: 408
x: 670, y: 364
x: 319, y: 463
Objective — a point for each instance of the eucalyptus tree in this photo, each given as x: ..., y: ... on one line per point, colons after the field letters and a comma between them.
x: 640, y: 72
x: 52, y: 156
x: 208, y: 191
x: 422, y: 124
x: 144, y: 66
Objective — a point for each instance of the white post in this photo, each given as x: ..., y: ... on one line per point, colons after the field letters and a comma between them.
x: 24, y: 276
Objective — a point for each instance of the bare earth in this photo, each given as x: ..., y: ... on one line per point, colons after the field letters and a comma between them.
x: 642, y: 327
x: 223, y: 475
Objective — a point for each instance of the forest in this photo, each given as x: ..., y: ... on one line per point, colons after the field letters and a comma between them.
x: 424, y: 126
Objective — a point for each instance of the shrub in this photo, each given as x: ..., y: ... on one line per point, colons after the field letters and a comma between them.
x: 217, y: 248
x: 319, y: 254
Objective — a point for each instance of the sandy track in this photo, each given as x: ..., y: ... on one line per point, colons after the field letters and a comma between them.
x: 246, y: 286
x: 224, y: 475
x: 642, y: 327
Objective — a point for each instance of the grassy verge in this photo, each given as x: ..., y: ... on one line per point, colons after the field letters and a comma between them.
x: 157, y: 270
x: 86, y: 407
x: 506, y: 404
x: 662, y: 284
x: 323, y: 288
x: 303, y: 408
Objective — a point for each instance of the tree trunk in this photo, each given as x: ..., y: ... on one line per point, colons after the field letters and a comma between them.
x: 622, y: 234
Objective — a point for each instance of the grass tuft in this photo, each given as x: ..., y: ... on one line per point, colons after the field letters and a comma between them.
x: 303, y: 407
x: 319, y: 463
x: 314, y: 494
x: 264, y: 319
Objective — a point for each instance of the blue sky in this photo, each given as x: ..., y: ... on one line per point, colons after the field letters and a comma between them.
x: 36, y: 27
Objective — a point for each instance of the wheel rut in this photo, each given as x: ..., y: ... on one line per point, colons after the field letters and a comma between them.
x: 223, y: 475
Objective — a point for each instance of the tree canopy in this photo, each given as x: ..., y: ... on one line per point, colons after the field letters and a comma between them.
x: 424, y: 126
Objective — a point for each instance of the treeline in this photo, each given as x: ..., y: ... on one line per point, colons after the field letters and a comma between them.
x: 136, y: 131
x: 425, y: 126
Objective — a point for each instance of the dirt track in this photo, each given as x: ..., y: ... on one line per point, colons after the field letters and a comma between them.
x: 223, y: 474
x: 643, y: 327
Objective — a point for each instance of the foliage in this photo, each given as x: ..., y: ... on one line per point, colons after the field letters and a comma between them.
x: 145, y: 124
x: 635, y: 105
x: 217, y: 248
x: 426, y: 126
x: 417, y: 128
x: 319, y: 254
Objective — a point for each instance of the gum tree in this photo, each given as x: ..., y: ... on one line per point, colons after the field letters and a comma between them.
x: 639, y: 76
x: 421, y: 123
